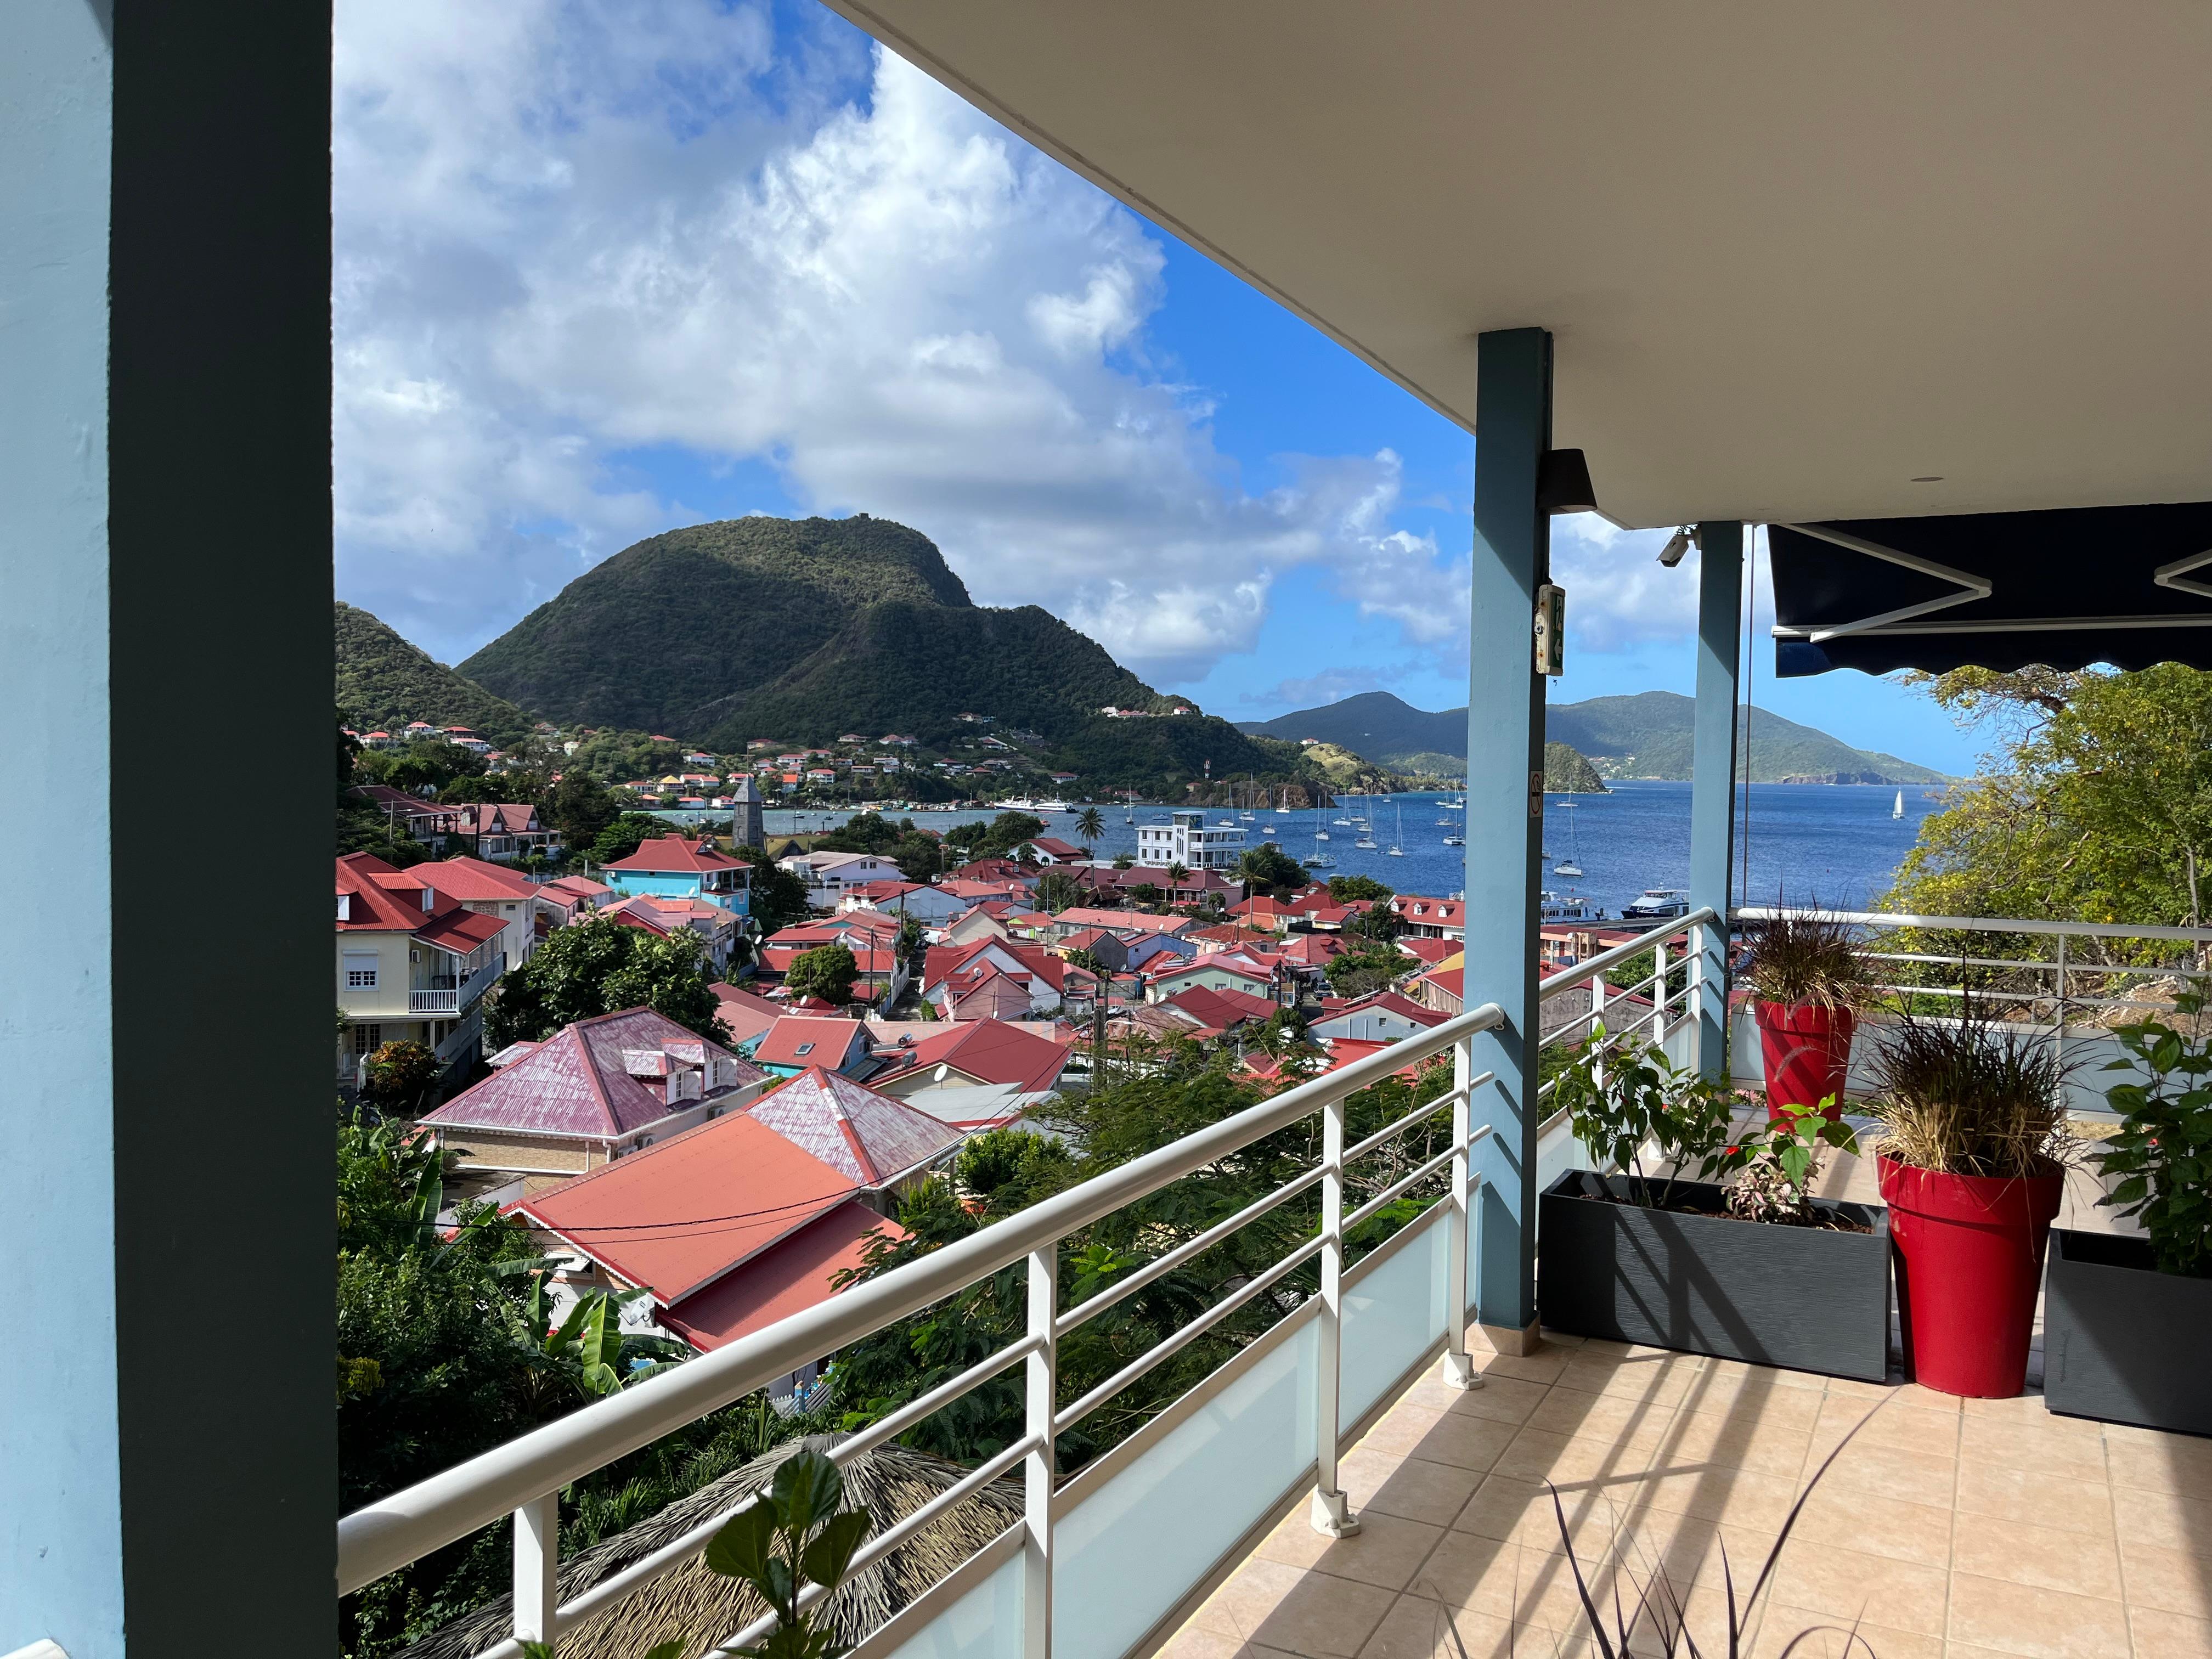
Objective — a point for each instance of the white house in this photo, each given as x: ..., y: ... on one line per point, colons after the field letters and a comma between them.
x: 829, y: 876
x: 1188, y: 839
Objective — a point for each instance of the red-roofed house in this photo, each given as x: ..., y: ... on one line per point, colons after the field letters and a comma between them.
x: 1384, y: 1017
x: 1430, y: 918
x: 1050, y: 849
x: 777, y: 1225
x: 932, y: 905
x: 1221, y: 1010
x: 953, y: 975
x: 746, y: 1014
x: 716, y: 929
x: 670, y: 866
x: 503, y: 830
x: 590, y: 1093
x: 1001, y: 871
x: 972, y: 1051
x: 413, y: 963
x: 1223, y: 971
x: 879, y: 1143
x: 570, y: 899
x: 1429, y: 952
x: 489, y: 890
x: 800, y: 1042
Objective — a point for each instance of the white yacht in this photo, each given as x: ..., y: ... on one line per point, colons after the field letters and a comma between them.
x: 1050, y: 806
x: 1657, y: 904
x: 1567, y: 907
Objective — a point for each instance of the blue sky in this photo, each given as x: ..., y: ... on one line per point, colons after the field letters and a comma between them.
x: 608, y: 268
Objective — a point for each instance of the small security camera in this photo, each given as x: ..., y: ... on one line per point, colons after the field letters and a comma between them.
x: 1677, y: 548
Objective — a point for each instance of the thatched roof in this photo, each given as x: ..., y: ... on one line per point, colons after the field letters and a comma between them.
x: 688, y: 1601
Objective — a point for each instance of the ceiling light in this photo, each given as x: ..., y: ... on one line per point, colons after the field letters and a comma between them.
x: 1678, y: 547
x: 1563, y: 483
x: 1933, y: 477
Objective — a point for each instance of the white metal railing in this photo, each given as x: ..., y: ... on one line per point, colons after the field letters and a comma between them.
x: 453, y: 998
x: 523, y: 1478
x: 1695, y: 934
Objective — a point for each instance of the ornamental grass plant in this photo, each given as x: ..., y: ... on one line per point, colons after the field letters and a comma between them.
x: 1971, y: 1096
x: 1803, y: 958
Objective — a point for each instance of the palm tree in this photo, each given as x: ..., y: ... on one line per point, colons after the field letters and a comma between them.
x: 1089, y: 826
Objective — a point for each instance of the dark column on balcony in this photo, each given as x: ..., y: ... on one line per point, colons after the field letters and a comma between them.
x: 167, y: 1466
x: 1505, y: 812
x: 1712, y: 770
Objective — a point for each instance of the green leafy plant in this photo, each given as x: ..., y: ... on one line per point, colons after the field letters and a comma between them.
x: 826, y: 972
x: 397, y: 1075
x: 791, y: 1536
x: 2163, y: 1152
x: 1621, y: 1099
x: 1775, y: 1162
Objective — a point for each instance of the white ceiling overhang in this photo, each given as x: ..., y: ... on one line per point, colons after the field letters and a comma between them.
x: 1794, y: 257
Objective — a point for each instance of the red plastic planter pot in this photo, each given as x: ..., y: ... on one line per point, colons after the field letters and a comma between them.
x: 1969, y: 1259
x: 1808, y: 1051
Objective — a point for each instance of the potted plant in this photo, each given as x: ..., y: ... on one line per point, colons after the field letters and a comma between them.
x: 1806, y: 978
x: 1758, y: 1269
x: 1972, y: 1161
x: 2127, y: 1321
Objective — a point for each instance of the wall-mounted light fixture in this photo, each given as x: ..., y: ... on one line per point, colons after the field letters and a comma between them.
x: 1563, y: 483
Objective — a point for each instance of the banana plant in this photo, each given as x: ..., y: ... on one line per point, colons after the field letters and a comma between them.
x: 590, y: 1338
x: 792, y: 1535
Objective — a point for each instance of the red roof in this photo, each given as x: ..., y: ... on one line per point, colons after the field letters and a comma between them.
x: 988, y: 1050
x: 1219, y: 1009
x: 741, y: 1185
x: 1385, y: 1001
x: 589, y: 1079
x: 806, y: 1041
x: 788, y: 1278
x: 745, y: 1014
x: 1430, y: 951
x: 459, y: 932
x: 473, y: 879
x: 671, y: 854
x: 869, y: 1137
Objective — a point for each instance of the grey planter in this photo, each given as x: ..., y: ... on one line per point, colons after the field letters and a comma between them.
x: 2123, y: 1342
x: 1805, y: 1299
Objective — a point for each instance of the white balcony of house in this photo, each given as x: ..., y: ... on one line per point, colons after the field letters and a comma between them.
x: 451, y: 992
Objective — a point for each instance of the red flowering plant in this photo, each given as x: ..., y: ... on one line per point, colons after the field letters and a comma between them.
x: 1775, y: 1162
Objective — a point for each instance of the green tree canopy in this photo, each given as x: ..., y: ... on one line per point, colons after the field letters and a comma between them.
x: 1267, y: 868
x: 996, y: 839
x: 779, y: 898
x: 620, y: 838
x: 827, y: 972
x: 2093, y: 807
x: 1346, y: 889
x: 598, y: 967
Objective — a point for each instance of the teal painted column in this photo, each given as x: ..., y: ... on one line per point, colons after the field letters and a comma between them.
x: 1712, y: 770
x: 1505, y: 813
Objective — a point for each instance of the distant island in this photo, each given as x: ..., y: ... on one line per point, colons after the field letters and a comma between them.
x: 1645, y: 736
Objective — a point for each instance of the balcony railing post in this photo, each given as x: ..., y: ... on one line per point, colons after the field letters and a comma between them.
x: 1041, y: 1376
x: 1693, y: 995
x: 537, y: 1568
x: 1659, y: 992
x: 2058, y: 1013
x: 1459, y: 1369
x: 1332, y: 1511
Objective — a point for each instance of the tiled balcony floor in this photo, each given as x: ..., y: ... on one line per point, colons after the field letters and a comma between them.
x: 1968, y: 1530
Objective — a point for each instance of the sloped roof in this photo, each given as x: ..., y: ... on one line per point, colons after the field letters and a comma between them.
x: 475, y: 878
x: 988, y: 1050
x: 788, y: 1277
x: 1386, y: 1002
x: 745, y: 1014
x: 672, y: 854
x: 578, y: 1082
x: 676, y: 1217
x: 459, y: 932
x: 869, y: 1137
x: 808, y: 1040
x: 1221, y: 1009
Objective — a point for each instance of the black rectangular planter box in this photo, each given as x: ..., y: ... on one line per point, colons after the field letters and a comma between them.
x: 2121, y: 1341
x: 1806, y: 1298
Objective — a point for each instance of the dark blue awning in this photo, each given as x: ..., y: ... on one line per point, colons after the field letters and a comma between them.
x: 2129, y: 586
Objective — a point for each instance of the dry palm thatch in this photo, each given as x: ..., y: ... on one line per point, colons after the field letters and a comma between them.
x: 890, y: 1482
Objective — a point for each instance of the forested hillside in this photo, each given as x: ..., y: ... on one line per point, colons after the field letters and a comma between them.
x: 383, y: 682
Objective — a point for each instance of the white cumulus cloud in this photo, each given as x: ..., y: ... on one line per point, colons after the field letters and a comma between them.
x: 569, y: 235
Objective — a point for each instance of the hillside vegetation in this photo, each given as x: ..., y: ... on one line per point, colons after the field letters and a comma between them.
x: 383, y: 683
x: 1567, y: 772
x: 1645, y: 736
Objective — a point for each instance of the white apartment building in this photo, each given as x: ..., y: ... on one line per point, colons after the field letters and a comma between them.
x: 1188, y: 839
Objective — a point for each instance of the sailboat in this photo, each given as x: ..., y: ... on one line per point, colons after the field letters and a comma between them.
x: 1319, y: 860
x: 1253, y: 790
x: 1572, y: 864
x: 1366, y: 835
x: 1898, y: 811
x: 1396, y: 851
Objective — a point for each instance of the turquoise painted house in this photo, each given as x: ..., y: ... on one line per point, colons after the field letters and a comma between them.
x: 670, y: 866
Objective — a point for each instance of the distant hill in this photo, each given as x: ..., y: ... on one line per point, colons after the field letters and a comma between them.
x: 802, y: 629
x: 383, y: 682
x: 1568, y: 772
x: 1645, y: 736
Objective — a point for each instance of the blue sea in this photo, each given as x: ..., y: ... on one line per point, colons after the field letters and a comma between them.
x: 1833, y: 842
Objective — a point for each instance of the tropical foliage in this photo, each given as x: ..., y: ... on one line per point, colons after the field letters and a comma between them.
x: 1624, y: 1097
x: 2162, y: 1154
x: 827, y: 973
x: 599, y: 967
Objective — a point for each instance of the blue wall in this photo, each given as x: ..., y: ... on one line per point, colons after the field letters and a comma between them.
x: 670, y: 884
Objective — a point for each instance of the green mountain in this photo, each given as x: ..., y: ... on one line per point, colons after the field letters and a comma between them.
x: 803, y: 629
x: 1568, y: 772
x: 1645, y: 736
x: 383, y: 682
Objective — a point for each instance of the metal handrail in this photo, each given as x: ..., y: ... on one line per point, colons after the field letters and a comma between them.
x: 1583, y: 972
x: 385, y: 1536
x: 1984, y: 924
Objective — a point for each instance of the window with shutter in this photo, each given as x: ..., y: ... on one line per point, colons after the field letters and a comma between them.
x: 360, y: 971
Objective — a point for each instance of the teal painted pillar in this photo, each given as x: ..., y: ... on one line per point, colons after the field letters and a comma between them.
x: 1505, y: 813
x: 1712, y: 771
